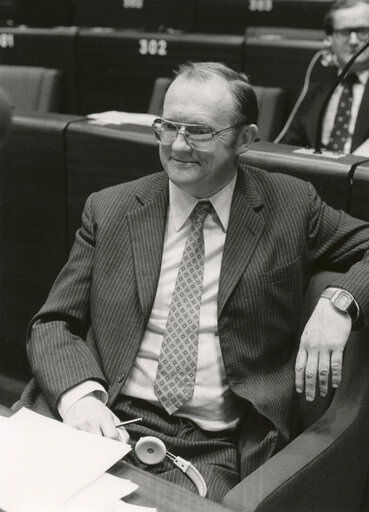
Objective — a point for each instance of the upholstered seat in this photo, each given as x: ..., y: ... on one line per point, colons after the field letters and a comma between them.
x: 32, y: 88
x: 325, y: 468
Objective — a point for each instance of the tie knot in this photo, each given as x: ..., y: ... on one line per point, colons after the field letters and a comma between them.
x: 200, y: 212
x: 350, y: 79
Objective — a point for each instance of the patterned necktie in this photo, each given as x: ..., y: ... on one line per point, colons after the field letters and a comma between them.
x: 175, y: 377
x: 340, y: 129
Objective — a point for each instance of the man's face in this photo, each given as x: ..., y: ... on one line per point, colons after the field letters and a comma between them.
x: 201, y: 173
x: 345, y: 46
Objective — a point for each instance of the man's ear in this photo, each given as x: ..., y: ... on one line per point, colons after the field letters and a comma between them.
x: 247, y: 138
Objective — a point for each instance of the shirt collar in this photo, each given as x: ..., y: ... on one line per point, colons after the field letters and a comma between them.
x: 182, y: 203
x: 363, y: 76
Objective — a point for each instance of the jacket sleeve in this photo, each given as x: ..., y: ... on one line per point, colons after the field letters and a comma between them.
x: 57, y: 349
x: 340, y: 243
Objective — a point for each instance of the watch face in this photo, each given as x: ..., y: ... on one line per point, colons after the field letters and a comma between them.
x: 343, y: 301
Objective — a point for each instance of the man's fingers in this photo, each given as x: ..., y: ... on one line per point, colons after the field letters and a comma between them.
x: 108, y: 429
x: 300, y: 370
x: 336, y: 364
x: 311, y: 376
x: 323, y: 372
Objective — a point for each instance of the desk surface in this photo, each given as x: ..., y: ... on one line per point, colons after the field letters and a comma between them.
x: 155, y: 492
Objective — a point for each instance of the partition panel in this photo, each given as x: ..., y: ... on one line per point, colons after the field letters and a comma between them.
x: 33, y: 231
x: 145, y: 14
x: 330, y: 177
x: 233, y: 16
x: 360, y: 192
x: 117, y: 68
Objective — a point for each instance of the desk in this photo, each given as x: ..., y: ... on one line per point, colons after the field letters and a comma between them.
x: 331, y: 177
x: 155, y: 492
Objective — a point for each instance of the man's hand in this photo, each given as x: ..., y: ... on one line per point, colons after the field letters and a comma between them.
x: 91, y: 415
x: 321, y: 349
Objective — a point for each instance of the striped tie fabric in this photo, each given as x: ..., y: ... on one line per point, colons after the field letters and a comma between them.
x: 340, y: 129
x: 176, y: 373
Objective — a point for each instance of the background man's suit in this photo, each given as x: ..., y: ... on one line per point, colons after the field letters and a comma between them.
x: 279, y: 232
x: 304, y: 125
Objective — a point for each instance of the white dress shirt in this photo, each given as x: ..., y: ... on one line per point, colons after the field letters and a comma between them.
x: 211, y: 406
x: 357, y: 96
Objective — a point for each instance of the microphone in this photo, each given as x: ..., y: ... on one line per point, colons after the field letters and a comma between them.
x: 341, y: 76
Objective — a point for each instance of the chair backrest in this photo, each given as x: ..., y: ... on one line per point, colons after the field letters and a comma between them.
x: 325, y: 468
x: 272, y: 103
x: 31, y: 88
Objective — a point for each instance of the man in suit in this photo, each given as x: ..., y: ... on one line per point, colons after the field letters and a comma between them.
x: 181, y: 299
x: 344, y: 130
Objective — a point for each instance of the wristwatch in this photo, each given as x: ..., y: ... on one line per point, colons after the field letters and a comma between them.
x: 342, y: 300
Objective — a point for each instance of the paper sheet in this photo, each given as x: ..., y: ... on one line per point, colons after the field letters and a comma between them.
x: 99, y: 495
x: 116, y: 117
x: 122, y: 506
x: 43, y: 462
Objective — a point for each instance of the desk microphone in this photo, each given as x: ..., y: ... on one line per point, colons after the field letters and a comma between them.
x: 341, y: 76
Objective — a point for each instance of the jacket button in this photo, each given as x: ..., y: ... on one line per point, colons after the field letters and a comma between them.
x: 121, y: 377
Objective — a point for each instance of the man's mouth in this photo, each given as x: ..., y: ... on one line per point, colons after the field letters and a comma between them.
x: 183, y: 161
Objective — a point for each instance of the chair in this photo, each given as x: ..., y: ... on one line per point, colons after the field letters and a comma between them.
x: 325, y: 468
x: 272, y: 103
x: 32, y: 88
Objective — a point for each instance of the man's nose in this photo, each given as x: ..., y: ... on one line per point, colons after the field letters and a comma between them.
x: 180, y: 143
x: 353, y: 39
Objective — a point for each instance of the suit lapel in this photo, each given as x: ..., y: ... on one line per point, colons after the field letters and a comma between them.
x: 361, y: 132
x: 244, y: 231
x: 147, y: 229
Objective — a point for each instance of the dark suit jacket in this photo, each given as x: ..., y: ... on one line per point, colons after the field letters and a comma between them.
x: 279, y: 232
x: 303, y: 128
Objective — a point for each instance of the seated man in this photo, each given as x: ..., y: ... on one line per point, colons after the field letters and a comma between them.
x: 345, y: 124
x: 181, y: 299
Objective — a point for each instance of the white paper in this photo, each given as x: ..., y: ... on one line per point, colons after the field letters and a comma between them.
x: 43, y: 462
x: 362, y: 150
x: 122, y: 506
x: 116, y: 117
x: 99, y: 495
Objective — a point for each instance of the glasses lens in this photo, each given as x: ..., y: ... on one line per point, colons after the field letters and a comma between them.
x: 199, y: 136
x: 363, y: 33
x: 167, y: 132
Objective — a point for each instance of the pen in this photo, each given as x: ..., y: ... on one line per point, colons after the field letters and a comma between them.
x: 127, y: 422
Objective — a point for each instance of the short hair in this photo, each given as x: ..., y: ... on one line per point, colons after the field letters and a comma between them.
x: 246, y: 106
x: 337, y: 6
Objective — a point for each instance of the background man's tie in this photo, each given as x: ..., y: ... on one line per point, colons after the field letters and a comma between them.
x: 340, y: 129
x: 175, y: 377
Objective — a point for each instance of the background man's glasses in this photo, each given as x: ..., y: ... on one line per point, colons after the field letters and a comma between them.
x: 197, y: 136
x: 362, y: 33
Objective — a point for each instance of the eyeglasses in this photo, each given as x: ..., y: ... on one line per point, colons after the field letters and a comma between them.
x: 362, y: 33
x: 197, y: 136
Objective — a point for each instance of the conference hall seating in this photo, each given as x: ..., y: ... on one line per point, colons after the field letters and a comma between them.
x: 32, y: 88
x: 279, y: 57
x: 360, y: 192
x: 149, y: 15
x: 233, y: 16
x: 33, y: 214
x: 102, y: 156
x: 117, y: 69
x: 44, y: 47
